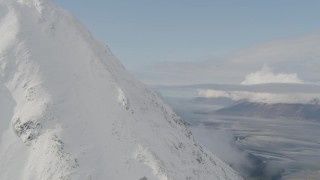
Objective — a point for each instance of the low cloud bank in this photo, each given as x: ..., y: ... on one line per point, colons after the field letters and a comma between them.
x: 222, y: 144
x: 263, y: 97
x: 265, y: 76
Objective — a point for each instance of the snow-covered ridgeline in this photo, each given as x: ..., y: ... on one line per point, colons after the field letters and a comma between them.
x: 69, y: 110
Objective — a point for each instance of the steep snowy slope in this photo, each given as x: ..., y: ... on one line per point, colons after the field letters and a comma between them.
x: 69, y: 110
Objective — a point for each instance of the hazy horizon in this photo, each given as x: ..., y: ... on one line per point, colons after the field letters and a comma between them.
x: 170, y: 42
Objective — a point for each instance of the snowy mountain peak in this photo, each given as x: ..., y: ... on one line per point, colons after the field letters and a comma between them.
x: 69, y: 110
x: 38, y: 4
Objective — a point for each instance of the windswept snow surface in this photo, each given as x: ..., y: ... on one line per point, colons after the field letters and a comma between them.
x: 70, y: 111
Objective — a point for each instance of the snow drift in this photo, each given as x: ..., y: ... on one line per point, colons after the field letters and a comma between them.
x: 69, y: 110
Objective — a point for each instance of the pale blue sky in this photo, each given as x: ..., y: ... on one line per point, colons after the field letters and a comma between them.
x: 145, y: 32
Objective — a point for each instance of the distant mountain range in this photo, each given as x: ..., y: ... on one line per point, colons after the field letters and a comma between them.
x: 264, y: 110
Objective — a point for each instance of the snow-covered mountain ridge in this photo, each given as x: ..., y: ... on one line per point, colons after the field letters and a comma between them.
x: 69, y: 109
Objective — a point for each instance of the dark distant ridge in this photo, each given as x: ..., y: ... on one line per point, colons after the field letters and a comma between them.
x: 264, y: 110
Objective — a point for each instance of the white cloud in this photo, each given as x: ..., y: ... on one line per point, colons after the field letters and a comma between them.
x: 300, y: 55
x: 265, y: 75
x: 262, y: 97
x: 222, y: 143
x: 301, y: 48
